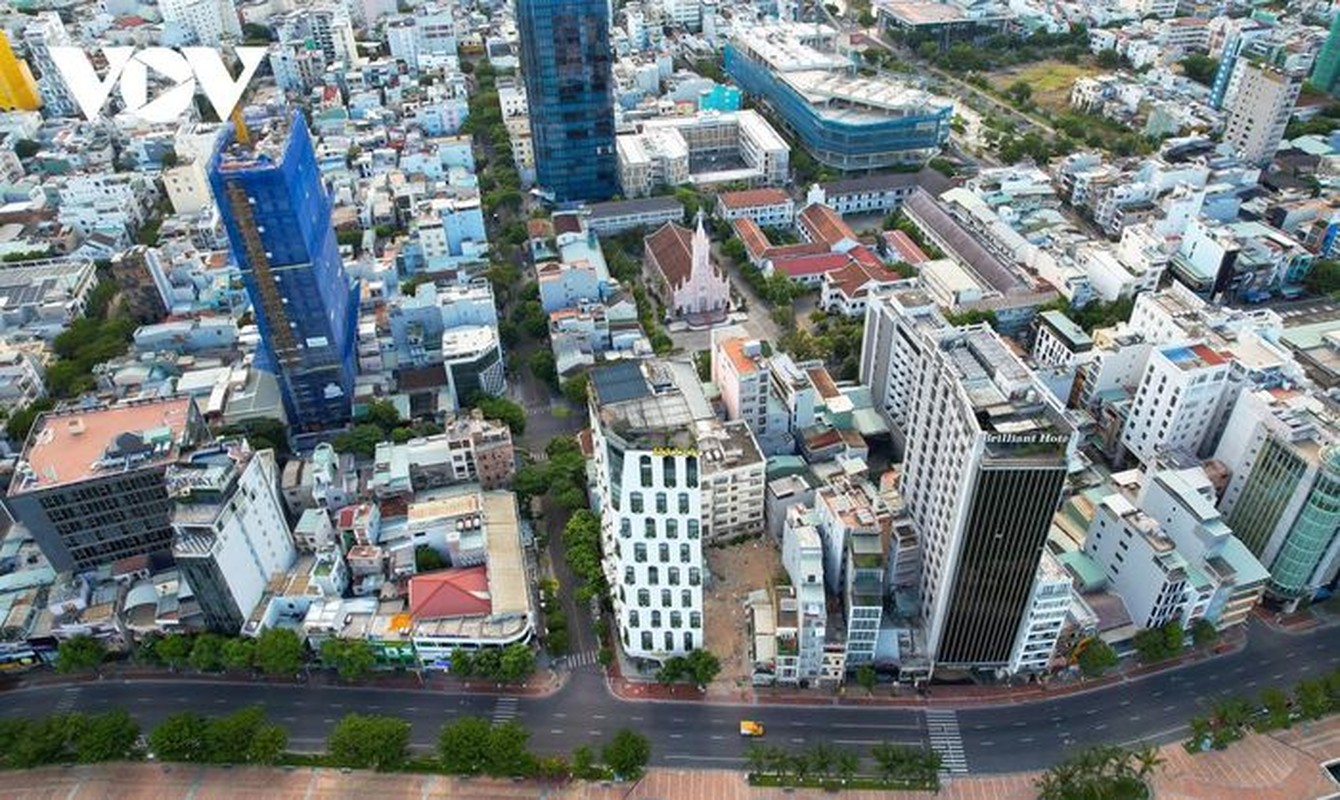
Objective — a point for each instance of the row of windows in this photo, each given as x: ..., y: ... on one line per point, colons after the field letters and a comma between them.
x: 676, y: 619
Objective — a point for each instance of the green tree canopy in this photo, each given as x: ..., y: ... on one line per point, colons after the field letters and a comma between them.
x: 352, y: 658
x: 369, y: 742
x: 279, y: 651
x: 80, y: 653
x: 628, y: 753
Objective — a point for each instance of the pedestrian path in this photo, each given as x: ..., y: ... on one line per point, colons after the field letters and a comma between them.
x: 504, y: 711
x: 942, y: 727
x: 68, y: 699
x: 582, y: 659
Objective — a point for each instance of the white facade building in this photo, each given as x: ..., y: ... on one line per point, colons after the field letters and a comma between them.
x: 1175, y: 403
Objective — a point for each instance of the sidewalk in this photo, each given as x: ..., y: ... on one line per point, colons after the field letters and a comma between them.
x: 542, y: 684
x: 633, y: 689
x: 1285, y: 766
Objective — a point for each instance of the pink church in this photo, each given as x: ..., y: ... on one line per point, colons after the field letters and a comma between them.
x: 688, y: 283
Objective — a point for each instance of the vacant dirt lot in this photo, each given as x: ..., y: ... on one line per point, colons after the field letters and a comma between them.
x: 1051, y: 81
x: 736, y: 571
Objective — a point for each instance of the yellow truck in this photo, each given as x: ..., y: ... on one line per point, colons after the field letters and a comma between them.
x: 750, y: 728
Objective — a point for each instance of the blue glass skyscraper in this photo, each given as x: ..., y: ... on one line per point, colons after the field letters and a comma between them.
x: 276, y: 210
x: 567, y: 63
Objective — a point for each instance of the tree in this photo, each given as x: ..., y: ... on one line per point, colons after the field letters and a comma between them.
x: 362, y: 440
x: 1020, y: 92
x: 505, y: 411
x: 507, y: 753
x: 1312, y: 699
x: 105, y: 737
x: 543, y: 366
x: 207, y: 652
x: 174, y: 650
x: 79, y: 653
x: 1203, y: 633
x: 1200, y: 68
x: 1108, y: 59
x: 575, y: 389
x: 703, y: 666
x: 1100, y: 773
x: 229, y: 739
x: 426, y: 559
x: 1275, y: 703
x: 180, y: 737
x: 239, y: 654
x: 255, y: 32
x: 865, y: 677
x: 463, y: 745
x: 517, y: 662
x: 279, y: 652
x: 351, y: 658
x: 1096, y: 658
x: 584, y: 763
x: 1323, y: 278
x: 627, y: 753
x: 369, y: 742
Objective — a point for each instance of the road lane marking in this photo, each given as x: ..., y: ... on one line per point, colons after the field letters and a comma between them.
x: 679, y: 757
x: 1100, y: 726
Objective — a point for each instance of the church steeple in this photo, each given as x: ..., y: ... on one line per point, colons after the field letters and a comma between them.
x: 702, y: 252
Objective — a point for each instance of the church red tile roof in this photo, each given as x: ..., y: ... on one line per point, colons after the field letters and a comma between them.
x: 450, y: 593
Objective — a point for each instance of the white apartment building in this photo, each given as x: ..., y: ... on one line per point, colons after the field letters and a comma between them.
x: 683, y: 13
x: 864, y: 593
x: 769, y: 207
x: 201, y: 22
x: 661, y: 152
x: 803, y: 560
x: 732, y: 480
x: 771, y: 394
x: 1059, y: 341
x: 1260, y: 111
x: 987, y: 455
x: 1183, y: 502
x: 230, y: 533
x: 1156, y: 583
x: 646, y: 482
x: 105, y: 200
x: 892, y: 351
x: 20, y: 380
x: 1047, y: 612
x: 1175, y: 404
x: 41, y: 34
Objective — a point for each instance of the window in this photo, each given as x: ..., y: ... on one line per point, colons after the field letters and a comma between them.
x: 672, y: 528
x: 690, y: 473
x: 685, y: 598
x: 655, y: 619
x: 669, y: 640
x: 649, y: 528
x: 625, y: 528
x: 646, y: 640
x: 693, y: 528
x: 676, y: 619
x: 663, y: 552
x: 683, y: 503
x: 640, y: 552
x: 683, y: 553
x: 653, y: 575
x: 644, y: 597
x: 688, y: 640
x: 695, y: 619
x: 668, y: 471
x: 695, y: 576
x: 673, y: 575
x: 661, y: 504
x: 628, y: 576
x: 635, y: 502
x: 633, y: 619
x: 665, y: 598
x: 644, y: 463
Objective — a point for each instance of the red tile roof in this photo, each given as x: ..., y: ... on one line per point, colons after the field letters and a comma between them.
x: 853, y: 279
x: 450, y: 593
x: 907, y: 250
x: 755, y: 241
x: 567, y: 223
x: 800, y: 266
x: 785, y: 251
x: 671, y: 248
x: 1208, y: 355
x: 863, y: 255
x: 823, y: 224
x: 753, y: 198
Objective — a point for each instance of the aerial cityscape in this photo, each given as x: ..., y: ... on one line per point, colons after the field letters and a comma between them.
x: 670, y: 398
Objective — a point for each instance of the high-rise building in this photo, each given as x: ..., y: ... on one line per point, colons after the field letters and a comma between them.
x: 277, y: 214
x: 1174, y: 404
x: 201, y: 22
x: 42, y: 34
x: 1283, y: 497
x: 18, y: 90
x: 1259, y: 112
x: 230, y: 534
x: 566, y: 58
x: 1326, y: 69
x: 89, y: 484
x: 986, y: 462
x: 650, y: 492
x: 892, y: 349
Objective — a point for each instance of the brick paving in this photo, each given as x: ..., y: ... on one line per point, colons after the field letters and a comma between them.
x: 1282, y: 766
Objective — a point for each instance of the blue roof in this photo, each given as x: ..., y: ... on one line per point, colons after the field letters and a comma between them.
x: 619, y: 382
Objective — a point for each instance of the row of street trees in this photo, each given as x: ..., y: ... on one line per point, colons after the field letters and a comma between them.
x: 896, y: 767
x: 1273, y: 709
x: 473, y: 746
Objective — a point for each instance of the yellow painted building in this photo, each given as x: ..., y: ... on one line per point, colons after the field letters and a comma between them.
x: 18, y: 90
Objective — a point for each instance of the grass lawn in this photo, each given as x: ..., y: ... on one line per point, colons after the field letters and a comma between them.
x: 1051, y: 81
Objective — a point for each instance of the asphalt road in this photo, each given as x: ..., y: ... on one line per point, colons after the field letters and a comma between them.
x: 998, y: 739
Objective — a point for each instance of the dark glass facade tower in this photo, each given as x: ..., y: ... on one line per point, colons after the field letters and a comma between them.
x: 276, y: 210
x: 567, y: 63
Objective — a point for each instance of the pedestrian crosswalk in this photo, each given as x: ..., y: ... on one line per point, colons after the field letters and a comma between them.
x: 582, y: 659
x: 947, y: 740
x: 504, y: 711
x: 68, y: 699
